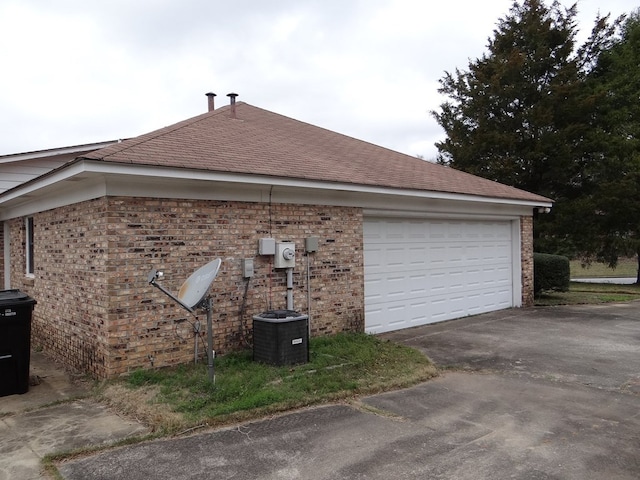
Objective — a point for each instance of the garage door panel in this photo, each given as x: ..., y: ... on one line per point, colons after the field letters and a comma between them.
x: 410, y: 285
x: 417, y: 257
x: 391, y: 316
x: 398, y: 315
x: 419, y: 272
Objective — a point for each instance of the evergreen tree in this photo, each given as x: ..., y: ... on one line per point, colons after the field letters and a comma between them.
x: 518, y: 114
x: 541, y: 113
x: 609, y: 213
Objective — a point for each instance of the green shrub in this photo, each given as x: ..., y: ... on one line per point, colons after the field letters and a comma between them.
x: 550, y: 272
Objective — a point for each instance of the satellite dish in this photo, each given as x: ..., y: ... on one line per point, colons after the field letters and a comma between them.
x: 195, y: 288
x: 191, y: 294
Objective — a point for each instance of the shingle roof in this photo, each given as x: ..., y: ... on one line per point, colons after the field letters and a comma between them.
x: 261, y: 142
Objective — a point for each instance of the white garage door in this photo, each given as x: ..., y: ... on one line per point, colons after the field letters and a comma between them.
x: 425, y: 271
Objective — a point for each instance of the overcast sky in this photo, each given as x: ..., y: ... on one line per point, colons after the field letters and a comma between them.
x: 84, y: 71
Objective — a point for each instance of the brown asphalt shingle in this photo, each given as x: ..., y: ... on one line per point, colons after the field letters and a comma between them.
x: 261, y: 142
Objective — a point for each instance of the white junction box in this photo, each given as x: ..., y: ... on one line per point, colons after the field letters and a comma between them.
x: 285, y: 255
x: 247, y: 267
x: 267, y: 246
x: 311, y: 244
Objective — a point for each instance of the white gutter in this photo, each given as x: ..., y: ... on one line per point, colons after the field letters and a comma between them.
x: 84, y: 169
x: 253, y: 179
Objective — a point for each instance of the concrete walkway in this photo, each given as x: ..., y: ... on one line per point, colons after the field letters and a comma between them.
x: 541, y: 393
x: 53, y: 416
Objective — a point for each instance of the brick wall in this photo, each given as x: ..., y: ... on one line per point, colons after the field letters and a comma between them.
x: 69, y: 284
x: 97, y: 313
x: 16, y: 249
x: 145, y: 327
x: 526, y: 260
x: 178, y: 237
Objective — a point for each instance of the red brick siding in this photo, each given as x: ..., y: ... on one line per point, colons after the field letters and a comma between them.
x: 97, y: 313
x: 16, y: 250
x: 526, y: 260
x: 70, y: 261
x: 178, y: 236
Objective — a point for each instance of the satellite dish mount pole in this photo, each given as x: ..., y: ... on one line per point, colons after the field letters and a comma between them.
x: 194, y: 294
x: 207, y: 305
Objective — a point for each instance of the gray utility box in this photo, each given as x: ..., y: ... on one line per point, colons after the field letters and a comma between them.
x: 15, y: 341
x: 281, y: 337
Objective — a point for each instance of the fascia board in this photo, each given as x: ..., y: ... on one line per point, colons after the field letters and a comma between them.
x: 251, y: 179
x: 17, y: 157
x: 30, y: 188
x: 56, y: 197
x: 96, y: 178
x: 225, y: 191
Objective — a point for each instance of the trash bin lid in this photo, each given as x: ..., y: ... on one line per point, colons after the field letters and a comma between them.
x: 12, y: 297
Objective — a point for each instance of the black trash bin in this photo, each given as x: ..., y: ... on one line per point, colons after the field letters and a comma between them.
x: 281, y: 337
x: 16, y: 308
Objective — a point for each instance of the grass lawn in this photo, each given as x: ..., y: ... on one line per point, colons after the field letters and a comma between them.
x: 584, y: 293
x: 341, y: 367
x: 627, y: 267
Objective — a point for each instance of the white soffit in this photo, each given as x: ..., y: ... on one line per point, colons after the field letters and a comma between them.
x: 103, y: 178
x: 173, y: 174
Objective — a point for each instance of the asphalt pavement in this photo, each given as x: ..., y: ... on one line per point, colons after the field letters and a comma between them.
x: 540, y: 393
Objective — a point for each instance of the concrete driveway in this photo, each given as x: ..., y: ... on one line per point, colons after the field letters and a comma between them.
x: 549, y: 393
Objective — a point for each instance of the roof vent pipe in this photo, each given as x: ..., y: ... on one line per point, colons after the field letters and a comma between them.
x: 210, y: 97
x: 232, y: 100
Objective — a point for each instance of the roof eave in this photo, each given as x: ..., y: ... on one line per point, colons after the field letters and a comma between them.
x: 53, y: 152
x: 81, y: 165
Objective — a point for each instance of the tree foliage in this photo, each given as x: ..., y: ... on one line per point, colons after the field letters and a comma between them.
x: 611, y: 210
x: 542, y: 113
x: 516, y: 116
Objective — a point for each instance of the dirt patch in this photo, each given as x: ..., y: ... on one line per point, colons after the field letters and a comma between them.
x: 143, y: 405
